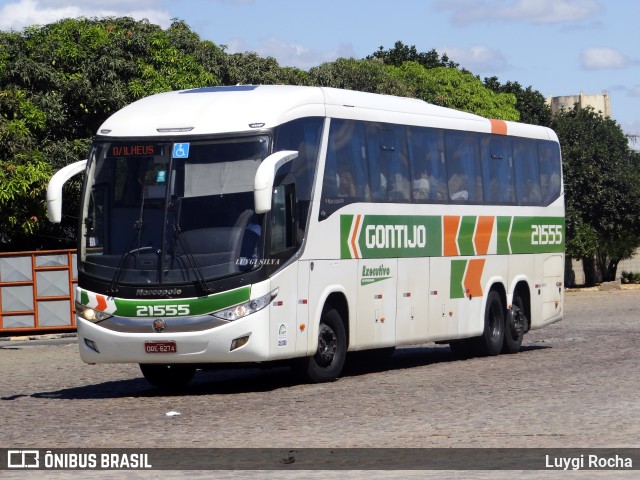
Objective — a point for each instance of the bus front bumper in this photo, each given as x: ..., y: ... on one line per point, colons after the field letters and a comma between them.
x: 215, y: 345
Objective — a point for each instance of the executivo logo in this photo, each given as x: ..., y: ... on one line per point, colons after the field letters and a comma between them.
x: 375, y: 274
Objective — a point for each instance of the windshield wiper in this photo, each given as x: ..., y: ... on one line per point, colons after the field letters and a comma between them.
x: 200, y: 280
x: 113, y: 287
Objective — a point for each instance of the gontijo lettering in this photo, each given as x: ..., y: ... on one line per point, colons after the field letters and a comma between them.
x: 381, y: 236
x: 395, y: 236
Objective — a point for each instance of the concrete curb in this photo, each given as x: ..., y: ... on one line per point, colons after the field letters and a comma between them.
x: 48, y: 336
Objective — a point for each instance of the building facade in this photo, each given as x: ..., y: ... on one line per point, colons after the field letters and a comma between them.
x: 599, y: 102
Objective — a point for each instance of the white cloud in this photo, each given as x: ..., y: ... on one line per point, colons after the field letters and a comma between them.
x: 478, y: 58
x: 465, y: 12
x: 291, y: 54
x: 600, y: 58
x: 22, y: 13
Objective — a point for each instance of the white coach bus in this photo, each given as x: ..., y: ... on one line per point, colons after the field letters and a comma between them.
x: 263, y: 223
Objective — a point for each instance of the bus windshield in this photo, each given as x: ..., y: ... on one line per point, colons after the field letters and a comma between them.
x: 157, y: 212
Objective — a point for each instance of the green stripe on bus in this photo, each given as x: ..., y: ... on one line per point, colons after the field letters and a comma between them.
x: 537, y: 235
x: 465, y: 236
x: 345, y: 228
x: 197, y: 306
x: 504, y: 224
x: 402, y: 236
x: 458, y: 268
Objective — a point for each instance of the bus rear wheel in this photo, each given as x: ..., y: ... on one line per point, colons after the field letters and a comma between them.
x: 515, y: 325
x: 490, y: 342
x: 328, y: 361
x: 167, y: 377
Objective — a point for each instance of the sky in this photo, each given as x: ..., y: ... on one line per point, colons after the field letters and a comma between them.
x: 558, y: 47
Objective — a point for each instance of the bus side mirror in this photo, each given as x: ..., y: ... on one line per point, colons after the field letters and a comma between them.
x: 54, y: 189
x: 263, y: 183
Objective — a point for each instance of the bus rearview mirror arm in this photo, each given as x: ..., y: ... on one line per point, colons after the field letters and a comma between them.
x: 54, y: 189
x: 263, y: 183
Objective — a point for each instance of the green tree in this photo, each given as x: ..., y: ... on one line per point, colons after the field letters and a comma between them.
x: 250, y: 69
x: 530, y: 103
x: 602, y: 185
x: 58, y: 83
x: 452, y: 88
x: 401, y: 53
x: 363, y: 75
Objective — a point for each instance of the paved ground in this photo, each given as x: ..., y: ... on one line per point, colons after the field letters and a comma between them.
x: 575, y: 384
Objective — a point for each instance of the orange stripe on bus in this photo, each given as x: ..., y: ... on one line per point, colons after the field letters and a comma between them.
x: 472, y: 279
x: 498, y: 127
x: 102, y: 303
x: 354, y: 245
x: 450, y: 224
x: 482, y: 238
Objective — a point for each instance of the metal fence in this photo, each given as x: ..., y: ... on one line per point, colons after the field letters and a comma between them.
x: 37, y: 291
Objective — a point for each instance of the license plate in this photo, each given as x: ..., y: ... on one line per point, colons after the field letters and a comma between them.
x: 160, y: 347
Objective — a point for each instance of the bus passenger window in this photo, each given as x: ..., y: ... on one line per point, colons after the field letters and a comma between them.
x: 497, y: 170
x: 345, y: 177
x: 388, y: 164
x: 527, y: 172
x: 428, y: 175
x: 463, y: 167
x: 549, y: 171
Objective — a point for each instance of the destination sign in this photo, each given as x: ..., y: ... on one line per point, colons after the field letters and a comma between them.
x: 134, y: 150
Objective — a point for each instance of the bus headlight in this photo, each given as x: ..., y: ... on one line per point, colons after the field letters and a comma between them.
x: 90, y: 314
x: 247, y: 308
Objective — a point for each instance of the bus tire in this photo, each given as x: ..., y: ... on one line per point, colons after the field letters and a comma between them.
x: 491, y: 340
x: 514, y: 326
x: 167, y: 377
x: 326, y: 365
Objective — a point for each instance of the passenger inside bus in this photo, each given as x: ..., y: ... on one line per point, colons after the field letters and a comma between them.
x: 346, y: 185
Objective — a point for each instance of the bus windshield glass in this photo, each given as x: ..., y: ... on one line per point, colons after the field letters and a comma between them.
x: 175, y: 213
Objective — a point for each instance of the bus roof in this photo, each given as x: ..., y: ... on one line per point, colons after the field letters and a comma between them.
x: 214, y: 110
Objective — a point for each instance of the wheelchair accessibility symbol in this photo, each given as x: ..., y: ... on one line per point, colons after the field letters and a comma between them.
x: 180, y: 150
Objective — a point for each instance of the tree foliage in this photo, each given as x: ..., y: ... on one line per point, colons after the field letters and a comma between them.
x: 453, y: 88
x: 59, y: 82
x: 602, y: 184
x: 401, y: 53
x: 363, y: 75
x: 530, y: 103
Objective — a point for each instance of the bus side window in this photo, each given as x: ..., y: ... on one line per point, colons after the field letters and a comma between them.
x: 394, y: 154
x: 428, y: 176
x: 497, y: 170
x: 463, y: 167
x: 377, y: 169
x: 388, y: 164
x: 527, y: 172
x: 282, y: 220
x: 345, y: 177
x: 550, y: 171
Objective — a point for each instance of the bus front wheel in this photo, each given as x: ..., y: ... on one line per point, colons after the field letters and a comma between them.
x: 328, y: 361
x: 167, y: 377
x: 490, y: 342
